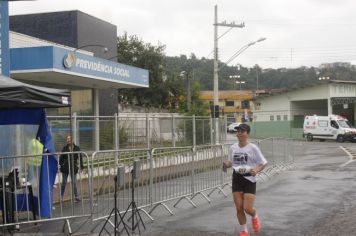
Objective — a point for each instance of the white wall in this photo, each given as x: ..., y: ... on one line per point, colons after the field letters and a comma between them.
x: 280, y: 105
x: 342, y: 90
x: 18, y: 40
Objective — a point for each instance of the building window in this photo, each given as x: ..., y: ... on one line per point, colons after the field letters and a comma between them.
x: 245, y: 104
x: 229, y: 103
x: 322, y: 123
x: 278, y: 117
x: 285, y: 117
x: 271, y: 118
x: 258, y: 106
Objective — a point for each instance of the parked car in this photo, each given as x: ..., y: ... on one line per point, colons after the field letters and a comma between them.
x: 232, y: 127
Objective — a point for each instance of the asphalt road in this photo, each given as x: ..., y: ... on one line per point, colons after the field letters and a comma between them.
x: 316, y: 197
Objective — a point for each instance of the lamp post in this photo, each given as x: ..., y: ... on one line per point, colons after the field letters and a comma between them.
x: 234, y: 76
x: 242, y: 49
x: 240, y: 82
x: 257, y: 78
x: 217, y: 69
x: 185, y: 75
x: 237, y: 81
x: 215, y: 110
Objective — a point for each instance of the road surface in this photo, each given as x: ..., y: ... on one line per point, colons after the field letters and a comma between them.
x: 316, y: 197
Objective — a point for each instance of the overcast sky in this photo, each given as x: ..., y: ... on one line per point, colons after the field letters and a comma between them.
x: 298, y: 32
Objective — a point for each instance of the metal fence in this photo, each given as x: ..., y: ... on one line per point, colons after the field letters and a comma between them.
x: 129, y: 131
x: 166, y: 174
x: 104, y: 171
x: 28, y: 198
x: 182, y: 173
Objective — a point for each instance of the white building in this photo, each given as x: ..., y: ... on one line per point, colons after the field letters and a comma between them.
x: 331, y: 97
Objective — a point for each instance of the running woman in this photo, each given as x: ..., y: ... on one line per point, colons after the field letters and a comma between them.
x: 247, y: 161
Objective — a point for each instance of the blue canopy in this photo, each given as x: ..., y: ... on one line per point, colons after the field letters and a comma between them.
x: 28, y: 108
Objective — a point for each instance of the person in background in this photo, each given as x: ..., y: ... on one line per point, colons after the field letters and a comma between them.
x: 69, y: 166
x: 247, y: 161
x: 34, y: 162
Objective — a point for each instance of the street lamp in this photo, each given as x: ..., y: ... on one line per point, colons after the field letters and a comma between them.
x: 240, y: 82
x: 234, y: 76
x: 243, y: 48
x: 215, y: 110
x: 216, y: 66
x: 185, y: 75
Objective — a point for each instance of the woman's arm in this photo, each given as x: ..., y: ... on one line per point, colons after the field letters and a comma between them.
x: 257, y: 169
x: 226, y: 164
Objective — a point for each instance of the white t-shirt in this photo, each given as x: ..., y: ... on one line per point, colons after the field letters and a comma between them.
x: 249, y: 155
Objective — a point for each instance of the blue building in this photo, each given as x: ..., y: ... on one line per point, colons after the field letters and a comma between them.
x: 65, y: 50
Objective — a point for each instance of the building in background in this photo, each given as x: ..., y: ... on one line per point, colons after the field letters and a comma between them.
x: 235, y: 104
x: 73, y: 29
x: 281, y: 114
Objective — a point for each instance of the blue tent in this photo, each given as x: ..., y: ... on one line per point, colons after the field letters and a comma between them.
x: 22, y: 103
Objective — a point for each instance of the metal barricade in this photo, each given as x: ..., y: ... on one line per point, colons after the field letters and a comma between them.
x: 166, y: 174
x: 171, y: 178
x: 72, y: 197
x: 208, y: 173
x: 169, y: 174
x: 30, y: 190
x: 226, y: 176
x: 280, y: 154
x: 104, y: 172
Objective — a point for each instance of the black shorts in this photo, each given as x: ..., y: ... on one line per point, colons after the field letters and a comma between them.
x: 241, y: 184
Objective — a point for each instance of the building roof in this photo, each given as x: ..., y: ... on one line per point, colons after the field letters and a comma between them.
x: 227, y: 94
x: 274, y: 92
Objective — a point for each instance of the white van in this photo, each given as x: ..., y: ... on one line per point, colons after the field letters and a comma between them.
x: 328, y: 127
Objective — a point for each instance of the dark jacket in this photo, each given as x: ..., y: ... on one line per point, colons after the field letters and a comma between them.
x: 71, y: 158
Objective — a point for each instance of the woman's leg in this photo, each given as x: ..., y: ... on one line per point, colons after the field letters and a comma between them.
x: 239, y: 204
x: 249, y: 201
x: 250, y: 210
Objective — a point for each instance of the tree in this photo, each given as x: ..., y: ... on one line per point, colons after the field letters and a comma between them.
x: 133, y: 51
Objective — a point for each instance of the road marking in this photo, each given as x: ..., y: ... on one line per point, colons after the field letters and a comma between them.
x: 351, y: 155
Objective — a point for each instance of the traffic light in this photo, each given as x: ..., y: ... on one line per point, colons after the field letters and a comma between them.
x: 214, y: 112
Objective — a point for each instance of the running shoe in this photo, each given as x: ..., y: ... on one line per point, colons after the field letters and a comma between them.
x: 256, y: 224
x: 244, y: 233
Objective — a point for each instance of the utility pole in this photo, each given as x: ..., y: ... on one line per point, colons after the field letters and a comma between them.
x: 257, y: 77
x: 215, y: 109
x: 189, y: 92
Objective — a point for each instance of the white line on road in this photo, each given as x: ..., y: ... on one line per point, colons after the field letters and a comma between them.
x: 350, y: 156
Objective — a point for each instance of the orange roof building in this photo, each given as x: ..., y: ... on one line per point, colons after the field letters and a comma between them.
x: 235, y: 104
